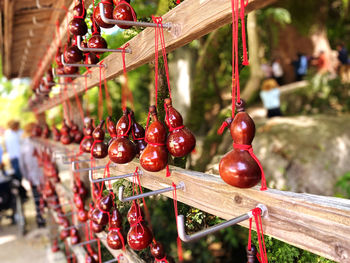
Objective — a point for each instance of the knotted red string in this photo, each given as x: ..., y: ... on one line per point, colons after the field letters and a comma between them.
x: 107, y: 172
x: 100, y: 97
x: 162, y: 260
x: 179, y: 245
x: 222, y: 128
x: 159, y: 34
x: 249, y: 148
x: 126, y: 93
x: 81, y: 111
x: 262, y: 256
x: 108, y: 97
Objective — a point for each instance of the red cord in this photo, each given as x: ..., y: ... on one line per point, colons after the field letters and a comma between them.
x: 100, y: 97
x: 81, y: 111
x: 108, y: 97
x: 179, y: 245
x: 249, y: 148
x: 126, y: 93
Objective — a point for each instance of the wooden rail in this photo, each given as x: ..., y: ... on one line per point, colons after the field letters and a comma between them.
x: 191, y: 19
x: 315, y: 223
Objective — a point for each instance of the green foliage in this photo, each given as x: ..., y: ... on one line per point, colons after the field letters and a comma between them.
x: 278, y: 251
x: 343, y: 186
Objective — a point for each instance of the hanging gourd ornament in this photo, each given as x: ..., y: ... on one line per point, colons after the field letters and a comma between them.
x: 238, y: 167
x: 99, y: 149
x: 180, y: 141
x: 87, y: 141
x: 122, y: 150
x: 138, y: 134
x: 108, y: 12
x: 123, y: 11
x: 155, y: 156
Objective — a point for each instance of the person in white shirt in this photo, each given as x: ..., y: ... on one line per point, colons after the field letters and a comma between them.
x: 12, y: 138
x: 30, y: 169
x: 270, y: 96
x: 277, y: 71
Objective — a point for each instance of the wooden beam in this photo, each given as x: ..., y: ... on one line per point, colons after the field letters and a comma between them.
x: 318, y: 224
x: 192, y: 19
x: 8, y: 24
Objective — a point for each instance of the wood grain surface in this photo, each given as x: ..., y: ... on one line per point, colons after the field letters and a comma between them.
x: 315, y: 223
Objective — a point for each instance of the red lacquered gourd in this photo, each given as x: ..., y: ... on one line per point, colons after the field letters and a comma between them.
x: 111, y: 129
x: 91, y: 58
x: 124, y: 12
x: 99, y: 148
x: 157, y: 250
x: 139, y: 236
x: 74, y: 236
x: 78, y: 201
x: 89, y: 258
x: 106, y: 202
x: 237, y: 167
x: 180, y: 141
x: 122, y: 150
x: 65, y: 137
x: 108, y: 12
x: 115, y: 239
x: 77, y: 27
x: 116, y: 2
x: 155, y: 156
x: 134, y: 213
x: 97, y: 41
x: 96, y: 228
x: 64, y: 234
x: 49, y: 75
x: 87, y: 142
x: 46, y: 131
x: 99, y: 217
x: 79, y: 10
x: 56, y: 134
x: 54, y: 246
x: 58, y: 58
x: 73, y: 54
x: 70, y: 70
x: 82, y: 215
x: 138, y: 134
x: 60, y: 70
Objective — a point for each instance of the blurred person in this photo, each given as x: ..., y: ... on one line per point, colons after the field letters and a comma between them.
x: 322, y: 63
x: 270, y: 96
x: 302, y: 65
x: 2, y: 166
x: 342, y: 54
x: 12, y: 140
x: 277, y: 71
x: 30, y: 169
x: 344, y: 67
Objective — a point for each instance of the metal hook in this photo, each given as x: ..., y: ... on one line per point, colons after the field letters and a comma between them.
x: 210, y: 230
x: 69, y: 75
x: 181, y: 185
x: 128, y: 23
x: 90, y: 168
x: 81, y: 65
x: 127, y: 50
x: 92, y: 180
x: 85, y: 242
x: 73, y: 226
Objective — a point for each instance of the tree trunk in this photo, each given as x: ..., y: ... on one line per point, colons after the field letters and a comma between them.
x: 256, y: 74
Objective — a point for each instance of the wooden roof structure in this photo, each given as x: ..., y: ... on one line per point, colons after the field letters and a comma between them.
x: 27, y: 30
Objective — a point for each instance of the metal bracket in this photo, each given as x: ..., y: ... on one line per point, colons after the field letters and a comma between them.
x: 92, y: 180
x: 181, y: 185
x: 73, y: 226
x: 82, y: 65
x: 127, y: 50
x: 188, y: 238
x: 128, y: 23
x: 69, y: 75
x: 90, y: 168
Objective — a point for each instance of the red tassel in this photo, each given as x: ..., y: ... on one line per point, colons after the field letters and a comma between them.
x: 167, y: 171
x: 222, y: 128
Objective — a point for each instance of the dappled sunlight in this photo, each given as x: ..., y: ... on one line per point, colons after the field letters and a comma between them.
x: 302, y: 121
x: 7, y: 239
